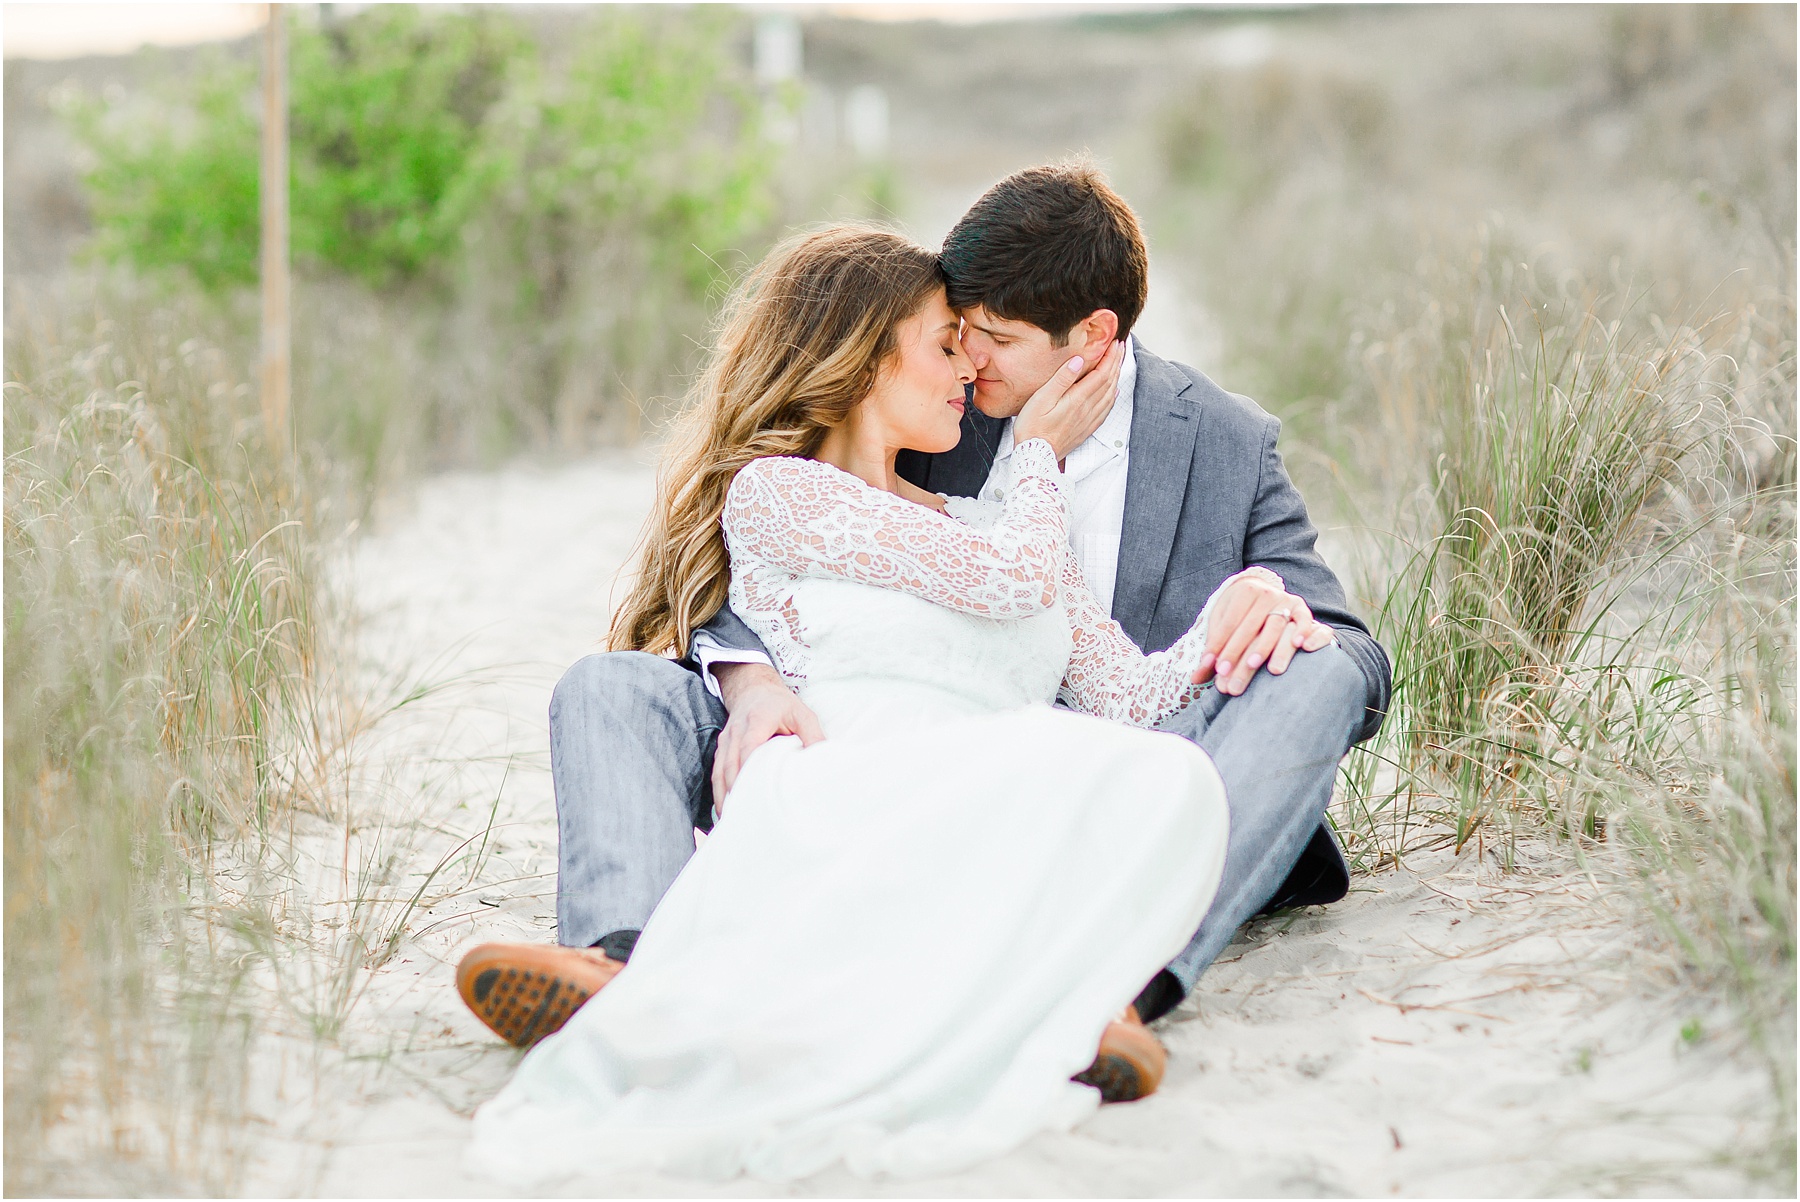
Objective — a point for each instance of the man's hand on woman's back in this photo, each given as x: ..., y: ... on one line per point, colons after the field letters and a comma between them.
x: 760, y: 706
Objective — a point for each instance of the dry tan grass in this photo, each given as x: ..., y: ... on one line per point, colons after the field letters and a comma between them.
x: 1537, y: 341
x: 193, y: 857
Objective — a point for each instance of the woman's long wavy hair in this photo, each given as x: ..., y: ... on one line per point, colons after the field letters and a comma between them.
x: 800, y: 344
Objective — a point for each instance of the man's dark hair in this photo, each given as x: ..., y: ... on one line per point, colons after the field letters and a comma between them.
x: 1049, y: 245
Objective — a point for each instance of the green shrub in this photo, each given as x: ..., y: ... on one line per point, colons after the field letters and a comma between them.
x: 177, y: 196
x: 496, y: 244
x: 386, y: 113
x: 388, y: 110
x: 407, y: 124
x: 618, y: 187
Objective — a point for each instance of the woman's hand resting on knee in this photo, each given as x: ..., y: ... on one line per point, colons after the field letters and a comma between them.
x: 1257, y: 622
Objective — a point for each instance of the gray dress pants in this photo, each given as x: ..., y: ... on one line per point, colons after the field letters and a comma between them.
x: 631, y: 747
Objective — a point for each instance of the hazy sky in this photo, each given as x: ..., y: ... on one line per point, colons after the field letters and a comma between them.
x: 71, y: 30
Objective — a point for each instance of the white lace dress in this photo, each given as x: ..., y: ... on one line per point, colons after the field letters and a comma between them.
x: 898, y: 944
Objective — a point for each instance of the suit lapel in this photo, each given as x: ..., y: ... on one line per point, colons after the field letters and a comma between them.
x: 1165, y: 423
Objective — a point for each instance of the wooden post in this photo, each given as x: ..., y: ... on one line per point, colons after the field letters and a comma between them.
x: 275, y: 322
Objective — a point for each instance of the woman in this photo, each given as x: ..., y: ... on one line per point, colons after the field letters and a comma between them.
x: 1040, y: 865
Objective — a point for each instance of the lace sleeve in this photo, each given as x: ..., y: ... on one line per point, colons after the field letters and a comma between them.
x: 810, y: 519
x: 1110, y: 677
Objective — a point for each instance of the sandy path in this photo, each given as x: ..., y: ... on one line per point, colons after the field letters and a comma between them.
x: 1448, y: 1029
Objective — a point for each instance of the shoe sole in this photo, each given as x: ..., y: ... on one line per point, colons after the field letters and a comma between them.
x: 1117, y: 1079
x: 519, y: 1002
x: 1130, y: 1063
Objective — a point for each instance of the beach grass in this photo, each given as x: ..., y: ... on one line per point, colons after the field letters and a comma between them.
x: 192, y: 862
x: 1535, y: 359
x: 1591, y: 624
x: 159, y: 635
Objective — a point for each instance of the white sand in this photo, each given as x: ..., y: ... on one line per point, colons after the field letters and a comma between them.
x: 1447, y: 1029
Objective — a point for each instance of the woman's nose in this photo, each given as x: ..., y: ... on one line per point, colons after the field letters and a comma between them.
x: 965, y: 366
x: 965, y: 369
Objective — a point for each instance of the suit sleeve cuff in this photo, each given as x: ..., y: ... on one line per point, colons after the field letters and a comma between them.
x: 708, y: 653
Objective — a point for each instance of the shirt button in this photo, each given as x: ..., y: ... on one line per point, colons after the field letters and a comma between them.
x: 1119, y: 443
x: 998, y: 494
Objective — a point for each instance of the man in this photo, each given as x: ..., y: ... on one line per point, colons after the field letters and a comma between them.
x: 1178, y: 489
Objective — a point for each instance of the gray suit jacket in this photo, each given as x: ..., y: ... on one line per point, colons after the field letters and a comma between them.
x: 1205, y: 496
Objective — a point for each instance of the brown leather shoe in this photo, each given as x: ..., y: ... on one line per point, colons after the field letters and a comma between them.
x: 525, y: 991
x: 1130, y: 1063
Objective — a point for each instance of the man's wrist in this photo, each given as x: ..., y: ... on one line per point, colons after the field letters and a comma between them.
x: 736, y: 679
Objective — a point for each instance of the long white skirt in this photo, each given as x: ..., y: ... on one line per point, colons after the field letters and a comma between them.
x: 892, y: 951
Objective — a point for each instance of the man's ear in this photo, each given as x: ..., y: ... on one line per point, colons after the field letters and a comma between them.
x: 1095, y: 332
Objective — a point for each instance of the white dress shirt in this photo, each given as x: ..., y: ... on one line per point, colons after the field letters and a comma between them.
x: 1093, y: 483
